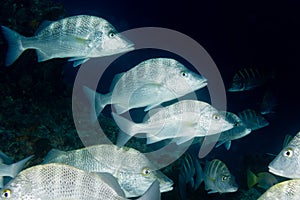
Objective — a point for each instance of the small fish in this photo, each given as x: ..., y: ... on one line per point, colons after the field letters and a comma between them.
x: 80, y: 37
x: 238, y: 131
x: 287, y: 162
x: 217, y: 178
x: 287, y: 190
x: 248, y: 78
x: 183, y: 121
x: 150, y: 83
x: 190, y: 175
x: 263, y: 180
x: 9, y: 169
x: 269, y: 103
x: 252, y: 119
x: 132, y: 169
x: 59, y: 182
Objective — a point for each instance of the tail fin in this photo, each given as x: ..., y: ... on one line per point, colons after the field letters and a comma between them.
x: 127, y: 127
x: 98, y: 102
x: 13, y: 169
x: 15, y: 48
x: 152, y: 193
x: 251, y: 179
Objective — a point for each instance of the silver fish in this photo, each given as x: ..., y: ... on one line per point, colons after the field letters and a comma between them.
x: 183, y: 121
x: 287, y: 162
x: 217, y: 178
x: 287, y: 190
x: 59, y: 182
x: 80, y: 37
x: 238, y: 131
x: 150, y: 83
x: 252, y: 119
x: 249, y: 78
x: 133, y: 170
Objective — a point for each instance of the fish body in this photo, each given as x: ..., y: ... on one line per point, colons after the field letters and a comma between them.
x: 248, y: 78
x: 134, y: 172
x: 238, y: 131
x: 78, y: 37
x: 253, y: 119
x: 287, y: 190
x: 183, y: 121
x: 59, y: 182
x: 287, y: 162
x: 149, y: 84
x: 217, y: 178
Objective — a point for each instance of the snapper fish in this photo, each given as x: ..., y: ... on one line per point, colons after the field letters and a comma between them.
x: 287, y: 190
x: 287, y: 162
x: 238, y: 131
x: 132, y: 169
x: 249, y: 78
x: 59, y: 182
x: 181, y: 121
x: 148, y: 84
x: 78, y: 37
x: 253, y: 119
x: 217, y: 178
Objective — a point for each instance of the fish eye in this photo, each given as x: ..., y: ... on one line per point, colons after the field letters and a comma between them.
x: 288, y: 152
x: 146, y: 171
x: 184, y: 73
x: 111, y: 34
x: 216, y: 116
x: 6, y: 193
x: 224, y: 178
x: 236, y: 123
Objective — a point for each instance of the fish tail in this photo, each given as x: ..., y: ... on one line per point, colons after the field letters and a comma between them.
x: 98, y: 102
x: 13, y: 169
x: 15, y: 47
x: 128, y: 129
x: 152, y: 192
x: 251, y: 179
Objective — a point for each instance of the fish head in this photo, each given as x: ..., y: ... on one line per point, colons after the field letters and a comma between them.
x: 287, y: 162
x: 18, y: 188
x: 214, y: 120
x: 225, y: 183
x: 138, y: 173
x: 110, y: 42
x: 181, y: 80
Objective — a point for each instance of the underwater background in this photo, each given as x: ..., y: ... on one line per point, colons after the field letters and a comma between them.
x: 36, y: 104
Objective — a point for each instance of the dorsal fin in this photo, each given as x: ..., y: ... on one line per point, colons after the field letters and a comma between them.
x: 42, y: 26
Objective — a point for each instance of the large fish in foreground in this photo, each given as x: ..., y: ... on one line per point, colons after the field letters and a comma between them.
x: 132, y: 169
x: 287, y: 162
x: 287, y: 190
x: 183, y: 121
x: 61, y: 182
x: 78, y: 37
x: 150, y: 83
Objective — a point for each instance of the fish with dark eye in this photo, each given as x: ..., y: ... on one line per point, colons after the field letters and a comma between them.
x: 57, y: 181
x: 148, y: 84
x: 132, y: 169
x: 217, y: 178
x: 181, y: 122
x: 78, y: 37
x: 287, y: 162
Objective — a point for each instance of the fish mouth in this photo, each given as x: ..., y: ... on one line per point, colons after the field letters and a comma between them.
x: 277, y: 172
x: 165, y: 187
